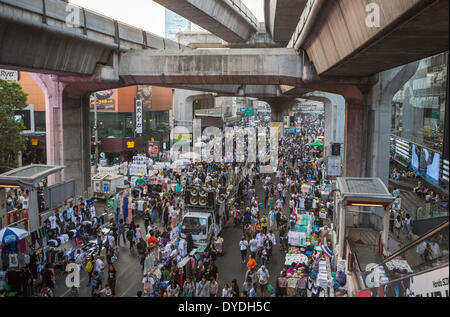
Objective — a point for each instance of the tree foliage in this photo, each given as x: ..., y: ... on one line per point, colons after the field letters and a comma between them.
x: 12, y: 98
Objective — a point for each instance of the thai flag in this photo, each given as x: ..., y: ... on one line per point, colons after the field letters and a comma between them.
x: 326, y: 250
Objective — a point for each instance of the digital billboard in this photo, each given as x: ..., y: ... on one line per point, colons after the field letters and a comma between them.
x: 434, y: 160
x: 426, y: 162
x: 415, y: 157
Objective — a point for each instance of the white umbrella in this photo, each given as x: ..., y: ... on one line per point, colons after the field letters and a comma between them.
x: 12, y: 234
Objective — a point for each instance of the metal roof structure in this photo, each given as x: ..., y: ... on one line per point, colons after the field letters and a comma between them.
x: 363, y: 189
x: 29, y: 175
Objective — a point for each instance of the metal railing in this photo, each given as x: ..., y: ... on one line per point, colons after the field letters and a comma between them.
x: 414, y: 254
x: 245, y: 11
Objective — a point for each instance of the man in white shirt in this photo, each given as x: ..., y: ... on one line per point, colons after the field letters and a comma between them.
x: 92, y: 211
x: 253, y: 244
x: 243, y: 246
x: 260, y: 238
x: 110, y: 238
x: 52, y: 220
x: 100, y: 267
x: 302, y: 203
x: 254, y: 210
x: 79, y: 259
x: 182, y: 247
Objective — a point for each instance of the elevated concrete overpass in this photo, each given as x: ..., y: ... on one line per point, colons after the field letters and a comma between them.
x: 230, y: 20
x: 55, y: 37
x: 339, y: 42
x: 281, y: 18
x: 209, y: 67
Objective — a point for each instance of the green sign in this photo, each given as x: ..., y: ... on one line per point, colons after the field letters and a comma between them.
x: 248, y: 112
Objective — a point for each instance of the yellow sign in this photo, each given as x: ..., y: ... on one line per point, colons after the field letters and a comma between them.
x: 152, y: 140
x: 130, y: 144
x: 34, y: 142
x: 183, y: 137
x: 277, y: 127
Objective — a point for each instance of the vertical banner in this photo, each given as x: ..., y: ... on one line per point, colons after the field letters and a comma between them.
x: 144, y: 93
x: 138, y: 116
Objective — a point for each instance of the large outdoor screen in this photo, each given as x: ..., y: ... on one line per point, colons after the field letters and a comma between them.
x: 433, y: 162
x: 415, y: 157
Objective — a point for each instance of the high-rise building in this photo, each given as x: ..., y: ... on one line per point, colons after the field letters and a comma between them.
x: 175, y: 23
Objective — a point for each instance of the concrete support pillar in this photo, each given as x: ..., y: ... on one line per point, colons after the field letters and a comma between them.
x: 334, y: 106
x: 342, y: 211
x: 52, y: 88
x: 33, y: 210
x: 280, y: 110
x: 77, y: 140
x: 353, y: 143
x: 386, y: 218
x: 379, y: 119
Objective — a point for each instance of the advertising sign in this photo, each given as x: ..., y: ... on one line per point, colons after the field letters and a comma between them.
x: 105, y: 99
x: 153, y: 149
x: 334, y: 166
x: 9, y: 75
x: 426, y: 162
x: 138, y: 116
x: 144, y: 94
x: 429, y: 284
x: 184, y: 138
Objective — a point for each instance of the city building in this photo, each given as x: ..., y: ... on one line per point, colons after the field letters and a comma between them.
x: 116, y: 120
x: 419, y: 122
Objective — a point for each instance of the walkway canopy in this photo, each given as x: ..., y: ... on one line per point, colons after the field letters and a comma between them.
x: 361, y: 192
x: 28, y: 176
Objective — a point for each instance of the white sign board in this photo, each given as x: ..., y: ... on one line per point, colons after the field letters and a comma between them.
x: 138, y: 116
x: 9, y: 75
x: 334, y: 166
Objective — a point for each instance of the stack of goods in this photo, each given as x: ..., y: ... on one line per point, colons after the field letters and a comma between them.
x: 139, y: 170
x: 322, y: 277
x: 108, y: 170
x: 339, y: 279
x: 399, y: 266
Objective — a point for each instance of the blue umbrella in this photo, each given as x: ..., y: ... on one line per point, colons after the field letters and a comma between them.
x: 12, y: 234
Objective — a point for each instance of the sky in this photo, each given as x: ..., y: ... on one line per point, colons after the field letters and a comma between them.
x: 147, y: 14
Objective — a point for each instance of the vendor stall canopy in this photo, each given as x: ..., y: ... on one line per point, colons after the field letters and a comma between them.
x: 360, y: 191
x: 28, y: 175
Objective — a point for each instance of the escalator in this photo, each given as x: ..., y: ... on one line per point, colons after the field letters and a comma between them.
x: 420, y: 269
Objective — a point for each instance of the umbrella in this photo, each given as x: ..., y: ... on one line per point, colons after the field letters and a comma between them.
x: 316, y: 143
x: 12, y: 234
x: 140, y: 181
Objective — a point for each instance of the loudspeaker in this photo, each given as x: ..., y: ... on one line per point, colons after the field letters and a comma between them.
x: 187, y: 197
x: 194, y: 191
x: 211, y: 199
x: 203, y: 201
x: 221, y: 198
x: 194, y: 200
x: 202, y: 192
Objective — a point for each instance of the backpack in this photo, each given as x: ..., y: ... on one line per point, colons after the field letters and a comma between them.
x: 89, y: 267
